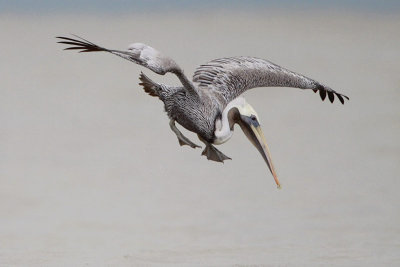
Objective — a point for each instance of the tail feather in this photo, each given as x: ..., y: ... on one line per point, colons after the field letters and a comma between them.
x: 149, y: 86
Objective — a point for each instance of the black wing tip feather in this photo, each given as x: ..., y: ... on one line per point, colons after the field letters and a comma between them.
x: 323, y: 91
x: 79, y: 44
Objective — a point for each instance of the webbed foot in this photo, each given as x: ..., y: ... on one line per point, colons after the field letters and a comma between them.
x: 212, y: 153
x: 183, y: 140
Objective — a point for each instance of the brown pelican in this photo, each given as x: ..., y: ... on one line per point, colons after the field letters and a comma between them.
x: 212, y: 104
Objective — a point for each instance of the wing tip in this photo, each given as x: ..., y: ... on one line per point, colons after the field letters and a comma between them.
x: 79, y: 44
x: 324, y: 91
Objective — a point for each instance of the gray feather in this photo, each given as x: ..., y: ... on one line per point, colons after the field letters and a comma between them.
x: 217, y: 83
x: 232, y: 76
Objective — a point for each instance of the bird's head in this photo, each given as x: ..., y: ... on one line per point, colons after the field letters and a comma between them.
x: 242, y: 113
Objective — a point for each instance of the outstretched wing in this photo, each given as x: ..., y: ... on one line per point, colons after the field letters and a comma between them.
x: 232, y: 76
x: 138, y: 53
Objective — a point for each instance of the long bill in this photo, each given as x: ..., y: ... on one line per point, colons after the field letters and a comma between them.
x: 256, y: 137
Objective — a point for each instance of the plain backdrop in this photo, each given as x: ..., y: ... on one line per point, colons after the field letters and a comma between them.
x: 91, y: 174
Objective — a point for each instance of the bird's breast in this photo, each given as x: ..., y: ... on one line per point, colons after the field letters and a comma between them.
x: 196, y: 117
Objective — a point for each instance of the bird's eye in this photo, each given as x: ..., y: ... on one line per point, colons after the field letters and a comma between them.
x: 253, y: 118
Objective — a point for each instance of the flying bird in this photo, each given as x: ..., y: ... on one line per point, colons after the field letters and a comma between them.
x: 211, y: 104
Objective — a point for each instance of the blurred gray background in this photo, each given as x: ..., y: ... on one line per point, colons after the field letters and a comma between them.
x: 91, y: 174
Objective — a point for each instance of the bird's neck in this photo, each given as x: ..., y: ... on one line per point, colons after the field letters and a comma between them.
x: 222, y: 131
x: 224, y: 125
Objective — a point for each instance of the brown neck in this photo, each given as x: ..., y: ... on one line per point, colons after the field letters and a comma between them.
x: 233, y: 117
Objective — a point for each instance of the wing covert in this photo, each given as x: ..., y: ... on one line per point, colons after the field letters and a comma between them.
x: 232, y: 76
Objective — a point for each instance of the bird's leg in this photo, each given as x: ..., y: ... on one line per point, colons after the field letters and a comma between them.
x: 183, y: 140
x: 212, y: 153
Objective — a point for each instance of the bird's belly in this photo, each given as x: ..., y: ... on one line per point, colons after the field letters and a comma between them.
x: 195, y: 115
x: 197, y: 124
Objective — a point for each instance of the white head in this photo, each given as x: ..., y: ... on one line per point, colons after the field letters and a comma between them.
x: 240, y: 112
